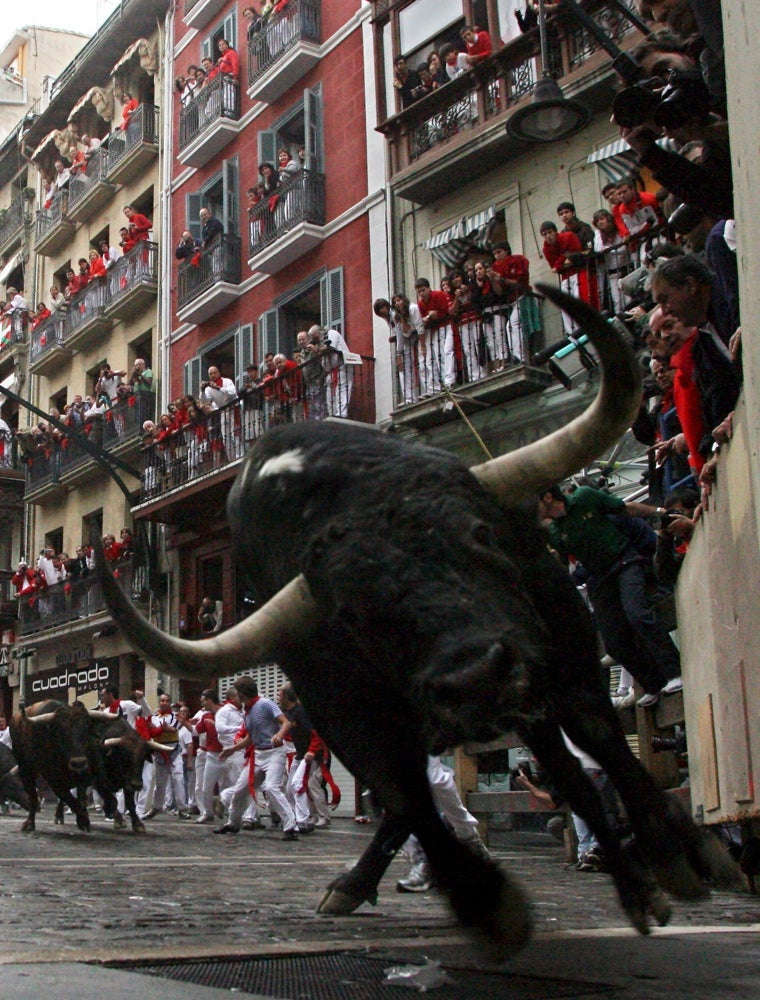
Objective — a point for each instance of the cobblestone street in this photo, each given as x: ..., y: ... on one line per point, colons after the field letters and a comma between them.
x: 182, y: 892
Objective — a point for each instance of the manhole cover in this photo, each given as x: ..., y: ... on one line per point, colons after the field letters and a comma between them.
x: 356, y: 977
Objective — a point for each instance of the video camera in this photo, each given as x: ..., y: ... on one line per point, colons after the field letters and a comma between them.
x: 670, y: 103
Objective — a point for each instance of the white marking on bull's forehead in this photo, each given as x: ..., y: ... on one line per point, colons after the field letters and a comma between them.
x: 289, y: 462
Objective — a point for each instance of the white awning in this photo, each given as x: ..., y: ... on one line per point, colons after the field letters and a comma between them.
x: 10, y: 381
x: 453, y: 245
x: 617, y: 160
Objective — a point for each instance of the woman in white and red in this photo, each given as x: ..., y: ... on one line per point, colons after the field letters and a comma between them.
x: 24, y: 580
x: 478, y: 43
x: 441, y: 357
x: 564, y: 254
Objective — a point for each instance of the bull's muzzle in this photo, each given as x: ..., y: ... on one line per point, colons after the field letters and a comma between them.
x: 78, y: 765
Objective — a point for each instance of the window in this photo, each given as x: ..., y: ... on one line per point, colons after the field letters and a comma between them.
x: 92, y: 526
x: 422, y: 20
x: 317, y: 301
x: 231, y: 352
x: 225, y: 29
x: 54, y: 540
x: 301, y: 125
x: 220, y: 196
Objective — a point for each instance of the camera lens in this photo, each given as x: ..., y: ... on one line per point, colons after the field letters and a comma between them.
x: 632, y: 106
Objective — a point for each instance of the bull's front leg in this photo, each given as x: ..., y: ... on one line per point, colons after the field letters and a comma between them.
x: 29, y: 781
x: 129, y: 803
x: 348, y: 891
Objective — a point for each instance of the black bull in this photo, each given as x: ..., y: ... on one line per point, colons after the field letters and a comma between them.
x: 73, y: 747
x: 416, y: 606
x: 11, y: 786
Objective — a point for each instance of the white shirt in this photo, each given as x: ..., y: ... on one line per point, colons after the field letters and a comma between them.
x: 110, y: 258
x: 48, y: 570
x: 218, y: 396
x: 131, y: 710
x: 459, y: 66
x: 5, y: 737
x: 228, y: 721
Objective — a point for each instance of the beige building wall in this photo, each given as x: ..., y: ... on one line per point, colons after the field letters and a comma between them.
x: 719, y: 588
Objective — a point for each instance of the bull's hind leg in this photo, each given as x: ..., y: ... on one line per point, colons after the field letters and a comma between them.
x: 681, y: 855
x: 638, y: 892
x: 348, y: 891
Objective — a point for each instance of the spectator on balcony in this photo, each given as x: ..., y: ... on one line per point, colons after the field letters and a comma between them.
x: 129, y: 105
x: 464, y: 310
x: 218, y: 390
x: 24, y: 580
x: 109, y: 254
x: 73, y: 284
x: 49, y: 193
x: 74, y: 412
x: 126, y: 242
x: 613, y: 261
x: 57, y: 299
x: 62, y: 175
x: 410, y: 339
x: 127, y: 542
x: 212, y: 229
x: 441, y: 357
x: 287, y: 388
x: 187, y: 247
x: 510, y: 276
x: 427, y: 84
x: 16, y: 303
x: 84, y: 272
x: 287, y: 167
x: 111, y: 548
x: 478, y: 44
x: 435, y: 66
x: 97, y: 269
x: 141, y: 378
x: 636, y: 211
x: 78, y: 161
x: 139, y: 225
x: 565, y: 256
x: 254, y: 20
x: 228, y: 62
x: 572, y: 224
x: 405, y: 81
x: 313, y: 376
x: 455, y: 61
x: 610, y: 194
x: 91, y: 145
x: 42, y: 313
x: 340, y: 375
x: 108, y: 383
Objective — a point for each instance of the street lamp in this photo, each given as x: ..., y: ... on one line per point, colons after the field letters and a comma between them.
x: 550, y: 115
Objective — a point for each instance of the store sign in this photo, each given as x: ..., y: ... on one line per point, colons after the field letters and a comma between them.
x: 76, y: 680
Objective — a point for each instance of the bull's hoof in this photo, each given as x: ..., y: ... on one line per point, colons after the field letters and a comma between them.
x: 342, y: 898
x: 138, y: 826
x: 83, y: 822
x: 57, y: 820
x: 118, y: 822
x: 27, y: 826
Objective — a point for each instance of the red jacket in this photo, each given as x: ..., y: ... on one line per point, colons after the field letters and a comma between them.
x: 229, y: 63
x: 688, y: 402
x: 438, y: 303
x: 481, y: 47
x: 555, y: 253
x: 139, y: 227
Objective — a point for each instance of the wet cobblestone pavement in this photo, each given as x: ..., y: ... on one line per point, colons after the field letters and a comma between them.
x: 181, y: 888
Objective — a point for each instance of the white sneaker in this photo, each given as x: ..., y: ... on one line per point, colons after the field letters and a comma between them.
x: 203, y: 818
x: 419, y: 879
x: 624, y: 701
x: 321, y: 824
x: 648, y: 700
x: 676, y: 684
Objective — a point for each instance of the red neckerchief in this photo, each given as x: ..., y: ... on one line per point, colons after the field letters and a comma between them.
x: 115, y: 707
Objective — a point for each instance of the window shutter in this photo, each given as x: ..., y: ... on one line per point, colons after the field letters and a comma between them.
x: 243, y: 351
x: 230, y: 197
x: 267, y: 140
x: 229, y: 30
x: 192, y: 211
x: 312, y: 128
x: 331, y: 299
x: 268, y: 332
x: 192, y: 375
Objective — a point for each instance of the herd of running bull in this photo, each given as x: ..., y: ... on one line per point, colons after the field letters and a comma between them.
x: 416, y: 607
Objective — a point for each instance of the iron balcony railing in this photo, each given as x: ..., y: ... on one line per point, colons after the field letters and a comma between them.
x: 69, y: 600
x: 13, y: 329
x: 46, y: 337
x: 138, y: 266
x: 300, y: 21
x: 323, y: 387
x: 119, y: 425
x: 220, y: 262
x: 85, y: 306
x: 299, y: 199
x: 142, y: 128
x: 42, y: 466
x: 11, y: 220
x: 94, y: 173
x: 9, y: 452
x: 218, y: 99
x: 490, y: 90
x: 49, y: 218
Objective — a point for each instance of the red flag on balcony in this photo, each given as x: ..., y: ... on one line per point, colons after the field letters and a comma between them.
x: 273, y: 202
x: 195, y: 260
x: 43, y: 340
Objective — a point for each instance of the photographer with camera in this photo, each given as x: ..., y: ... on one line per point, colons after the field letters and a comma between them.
x: 674, y: 530
x: 187, y: 246
x: 108, y: 383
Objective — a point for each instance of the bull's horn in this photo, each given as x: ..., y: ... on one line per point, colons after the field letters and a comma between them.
x: 36, y: 719
x: 112, y: 741
x: 153, y: 745
x: 96, y: 713
x: 289, y: 618
x: 520, y: 474
x: 13, y: 771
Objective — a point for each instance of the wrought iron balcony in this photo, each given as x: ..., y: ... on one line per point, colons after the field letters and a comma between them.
x: 130, y: 151
x: 13, y: 330
x: 328, y: 386
x: 288, y: 225
x: 54, y: 229
x: 47, y: 348
x: 209, y: 121
x: 11, y: 222
x: 133, y: 281
x: 85, y: 317
x: 208, y: 282
x: 466, y: 118
x: 284, y: 50
x: 89, y: 190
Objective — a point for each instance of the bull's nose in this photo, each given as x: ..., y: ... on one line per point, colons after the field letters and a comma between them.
x: 78, y: 764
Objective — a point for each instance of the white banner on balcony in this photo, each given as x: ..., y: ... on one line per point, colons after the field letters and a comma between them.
x: 9, y: 268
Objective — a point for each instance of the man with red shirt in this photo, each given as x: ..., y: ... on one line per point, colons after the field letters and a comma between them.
x: 510, y: 274
x: 228, y: 62
x: 139, y: 225
x: 441, y: 355
x: 565, y: 256
x: 478, y: 44
x: 636, y: 211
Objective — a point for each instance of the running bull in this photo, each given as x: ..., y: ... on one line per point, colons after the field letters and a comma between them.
x: 73, y: 747
x: 11, y: 787
x: 415, y: 606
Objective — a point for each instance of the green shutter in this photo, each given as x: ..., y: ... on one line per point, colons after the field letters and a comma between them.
x: 268, y: 332
x: 193, y: 205
x: 312, y: 127
x: 243, y: 351
x: 230, y: 197
x: 192, y: 376
x: 331, y: 300
x: 267, y: 140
